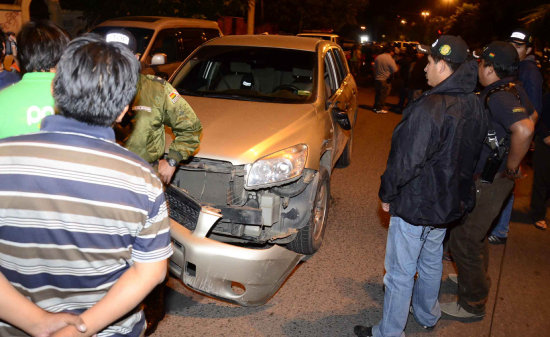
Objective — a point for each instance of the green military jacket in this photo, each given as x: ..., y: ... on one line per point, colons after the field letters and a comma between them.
x: 157, y: 104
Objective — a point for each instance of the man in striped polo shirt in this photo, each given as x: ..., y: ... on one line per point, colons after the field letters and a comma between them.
x: 83, y: 221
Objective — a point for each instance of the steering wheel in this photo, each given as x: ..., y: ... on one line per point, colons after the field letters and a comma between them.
x: 287, y: 87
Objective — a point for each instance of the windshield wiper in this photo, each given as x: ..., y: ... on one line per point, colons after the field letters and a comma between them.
x: 233, y: 96
x: 183, y: 91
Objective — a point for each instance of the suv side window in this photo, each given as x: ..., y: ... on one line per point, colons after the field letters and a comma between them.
x: 178, y: 43
x: 194, y: 37
x: 340, y: 65
x: 168, y: 41
x: 332, y: 80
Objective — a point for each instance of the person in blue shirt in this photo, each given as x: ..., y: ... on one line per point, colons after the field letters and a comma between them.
x: 531, y: 79
x: 6, y: 77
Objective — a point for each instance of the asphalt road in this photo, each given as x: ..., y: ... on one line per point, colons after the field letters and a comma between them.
x: 341, y: 285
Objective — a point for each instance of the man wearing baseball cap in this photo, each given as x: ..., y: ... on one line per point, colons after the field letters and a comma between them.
x: 156, y: 105
x: 511, y: 126
x: 531, y: 79
x: 428, y: 184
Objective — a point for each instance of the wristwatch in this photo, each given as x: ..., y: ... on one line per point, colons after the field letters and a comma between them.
x: 511, y: 173
x: 171, y: 161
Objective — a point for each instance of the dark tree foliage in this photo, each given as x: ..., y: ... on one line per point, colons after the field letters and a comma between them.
x: 96, y: 11
x: 296, y: 16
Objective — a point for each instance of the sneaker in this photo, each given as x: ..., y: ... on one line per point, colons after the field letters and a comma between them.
x: 453, y: 278
x: 381, y: 111
x: 496, y: 240
x: 362, y: 331
x: 541, y: 224
x: 456, y: 311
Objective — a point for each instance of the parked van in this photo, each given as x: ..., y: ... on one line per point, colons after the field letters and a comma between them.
x: 324, y: 36
x: 163, y: 42
x: 404, y: 45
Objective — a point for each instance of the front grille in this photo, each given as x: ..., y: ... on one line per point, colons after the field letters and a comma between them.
x: 182, y: 207
x: 212, y: 182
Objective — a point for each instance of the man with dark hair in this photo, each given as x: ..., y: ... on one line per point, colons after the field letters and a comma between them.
x: 156, y: 105
x: 531, y: 80
x: 510, y: 131
x: 85, y: 224
x: 428, y: 184
x: 6, y: 77
x: 384, y: 68
x: 22, y: 106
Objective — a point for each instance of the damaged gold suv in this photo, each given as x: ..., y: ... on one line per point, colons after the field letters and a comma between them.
x: 277, y: 115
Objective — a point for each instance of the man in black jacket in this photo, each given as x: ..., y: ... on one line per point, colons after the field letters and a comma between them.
x: 512, y: 120
x: 428, y: 184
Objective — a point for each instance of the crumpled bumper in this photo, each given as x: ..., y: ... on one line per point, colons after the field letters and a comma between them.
x: 245, y: 276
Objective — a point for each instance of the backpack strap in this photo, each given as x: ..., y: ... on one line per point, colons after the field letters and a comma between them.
x: 509, y: 87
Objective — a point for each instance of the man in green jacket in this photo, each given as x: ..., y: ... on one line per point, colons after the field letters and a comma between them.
x: 24, y: 104
x: 156, y: 105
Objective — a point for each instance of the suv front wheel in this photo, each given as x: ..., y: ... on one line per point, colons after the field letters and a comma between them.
x: 309, y: 238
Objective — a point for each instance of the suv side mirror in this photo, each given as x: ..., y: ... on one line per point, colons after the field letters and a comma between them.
x: 158, y: 59
x: 340, y: 116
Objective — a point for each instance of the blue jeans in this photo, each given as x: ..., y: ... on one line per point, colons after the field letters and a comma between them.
x: 411, y: 249
x: 503, y: 225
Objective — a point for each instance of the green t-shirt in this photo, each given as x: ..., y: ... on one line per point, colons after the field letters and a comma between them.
x: 24, y: 104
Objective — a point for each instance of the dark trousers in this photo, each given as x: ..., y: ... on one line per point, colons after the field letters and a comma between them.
x: 541, y: 180
x: 382, y: 89
x: 469, y: 247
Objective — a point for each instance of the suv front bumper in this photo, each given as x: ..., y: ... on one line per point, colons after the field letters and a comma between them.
x: 245, y: 276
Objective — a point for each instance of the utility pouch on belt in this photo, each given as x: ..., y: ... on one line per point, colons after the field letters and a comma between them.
x: 498, y: 152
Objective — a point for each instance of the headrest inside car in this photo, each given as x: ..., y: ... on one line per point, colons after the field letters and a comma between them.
x: 240, y: 67
x: 299, y: 72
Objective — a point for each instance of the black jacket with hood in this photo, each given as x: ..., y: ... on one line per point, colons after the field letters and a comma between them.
x: 429, y: 174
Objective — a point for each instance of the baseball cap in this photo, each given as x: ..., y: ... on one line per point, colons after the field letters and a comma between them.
x: 521, y: 36
x: 500, y: 53
x: 448, y: 47
x: 122, y: 36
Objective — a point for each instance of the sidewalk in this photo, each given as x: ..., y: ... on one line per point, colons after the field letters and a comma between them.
x: 523, y: 290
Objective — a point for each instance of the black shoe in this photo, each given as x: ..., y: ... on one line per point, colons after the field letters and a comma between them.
x: 496, y: 240
x: 362, y: 331
x: 151, y: 327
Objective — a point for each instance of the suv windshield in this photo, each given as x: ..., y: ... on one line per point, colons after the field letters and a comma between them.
x: 143, y: 36
x: 249, y: 73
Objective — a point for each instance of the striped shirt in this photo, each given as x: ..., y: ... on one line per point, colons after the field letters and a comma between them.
x: 76, y: 211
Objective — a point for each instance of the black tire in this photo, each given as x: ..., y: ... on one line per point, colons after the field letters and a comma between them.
x: 345, y: 157
x: 310, y: 237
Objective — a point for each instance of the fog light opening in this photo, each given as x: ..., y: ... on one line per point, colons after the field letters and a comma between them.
x: 237, y: 288
x: 191, y: 269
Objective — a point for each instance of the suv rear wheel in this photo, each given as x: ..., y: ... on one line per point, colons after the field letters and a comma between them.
x: 309, y: 238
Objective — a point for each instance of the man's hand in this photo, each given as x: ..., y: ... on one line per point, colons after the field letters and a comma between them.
x: 51, y: 322
x: 546, y: 140
x: 385, y: 206
x: 166, y: 171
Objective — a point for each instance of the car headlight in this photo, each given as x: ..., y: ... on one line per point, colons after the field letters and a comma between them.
x: 278, y: 167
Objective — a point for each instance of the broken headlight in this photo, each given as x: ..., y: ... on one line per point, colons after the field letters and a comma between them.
x: 277, y: 167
